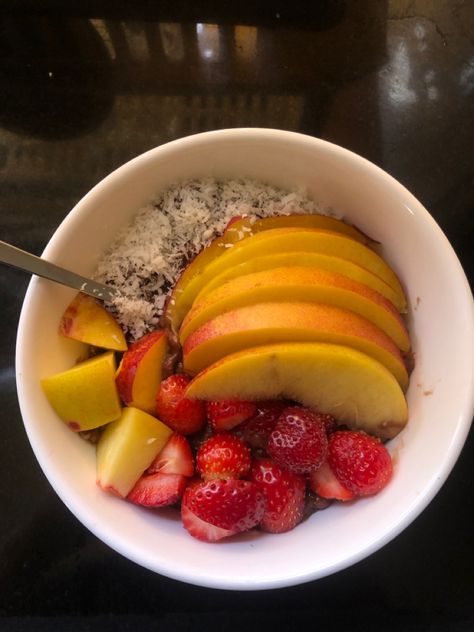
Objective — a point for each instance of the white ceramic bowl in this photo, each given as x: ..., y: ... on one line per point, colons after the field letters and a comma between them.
x: 440, y: 395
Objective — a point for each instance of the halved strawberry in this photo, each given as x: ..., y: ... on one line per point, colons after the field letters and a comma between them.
x: 284, y: 494
x: 359, y: 461
x: 325, y: 484
x: 201, y: 529
x: 226, y: 414
x: 223, y: 456
x: 175, y: 458
x: 217, y: 509
x: 184, y: 415
x: 158, y: 490
x: 299, y: 442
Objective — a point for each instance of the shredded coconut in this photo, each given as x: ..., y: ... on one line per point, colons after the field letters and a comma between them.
x: 147, y: 256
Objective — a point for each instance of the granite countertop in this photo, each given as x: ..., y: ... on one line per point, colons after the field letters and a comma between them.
x: 84, y: 89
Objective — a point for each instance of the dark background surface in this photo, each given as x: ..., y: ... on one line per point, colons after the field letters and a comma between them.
x: 85, y: 87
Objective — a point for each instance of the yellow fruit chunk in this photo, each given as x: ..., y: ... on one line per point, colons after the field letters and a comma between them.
x: 86, y: 320
x: 268, y: 323
x: 311, y: 285
x: 85, y: 396
x: 139, y: 373
x: 240, y: 231
x: 126, y: 448
x: 309, y: 260
x: 334, y: 379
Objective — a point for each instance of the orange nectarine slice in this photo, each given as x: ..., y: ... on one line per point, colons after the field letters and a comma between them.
x: 309, y: 260
x: 334, y: 379
x: 268, y: 323
x: 87, y: 320
x: 139, y: 373
x: 311, y: 285
x: 244, y: 227
x: 240, y: 231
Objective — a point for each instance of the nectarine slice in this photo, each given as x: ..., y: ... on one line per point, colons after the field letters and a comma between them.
x: 334, y: 379
x: 311, y: 285
x: 196, y: 274
x: 139, y: 373
x: 309, y: 260
x: 268, y: 323
x: 244, y: 227
x: 126, y: 448
x: 87, y: 320
x: 85, y: 396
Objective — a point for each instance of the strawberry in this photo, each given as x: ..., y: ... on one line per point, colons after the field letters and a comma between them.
x: 325, y: 484
x: 256, y: 430
x: 329, y: 422
x: 299, y: 441
x: 223, y: 456
x: 158, y: 490
x: 217, y: 509
x: 284, y: 494
x: 175, y: 458
x: 361, y: 463
x: 184, y: 415
x: 226, y: 414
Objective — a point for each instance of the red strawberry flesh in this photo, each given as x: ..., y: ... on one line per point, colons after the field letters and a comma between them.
x: 175, y: 458
x: 158, y: 490
x: 361, y: 463
x: 183, y: 415
x: 324, y: 483
x: 257, y: 430
x: 223, y: 456
x: 230, y: 504
x: 299, y: 441
x: 226, y: 414
x: 284, y: 494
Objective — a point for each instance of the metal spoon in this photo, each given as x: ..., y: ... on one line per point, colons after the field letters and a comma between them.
x: 27, y: 262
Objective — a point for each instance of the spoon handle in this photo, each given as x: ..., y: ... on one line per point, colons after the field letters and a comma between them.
x: 27, y: 262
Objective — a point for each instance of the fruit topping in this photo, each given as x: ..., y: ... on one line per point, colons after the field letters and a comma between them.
x: 174, y: 409
x: 226, y: 414
x: 284, y: 494
x: 216, y: 509
x: 175, y: 458
x: 298, y: 442
x: 158, y: 490
x: 223, y: 456
x: 361, y: 463
x: 325, y: 484
x: 257, y: 430
x: 139, y: 373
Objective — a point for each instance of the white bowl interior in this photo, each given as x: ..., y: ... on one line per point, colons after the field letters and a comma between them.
x: 440, y: 395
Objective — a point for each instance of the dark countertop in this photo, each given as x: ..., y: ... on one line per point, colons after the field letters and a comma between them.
x: 85, y: 89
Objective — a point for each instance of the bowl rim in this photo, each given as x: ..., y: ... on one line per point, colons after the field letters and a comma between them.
x: 21, y: 358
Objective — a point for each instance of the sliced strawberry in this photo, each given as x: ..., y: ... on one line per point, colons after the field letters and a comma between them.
x: 284, y: 494
x: 158, y: 490
x: 256, y: 430
x: 226, y: 414
x: 201, y: 529
x: 184, y: 415
x: 361, y: 463
x: 325, y: 484
x: 223, y: 456
x: 298, y: 442
x: 175, y: 458
x: 230, y: 505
